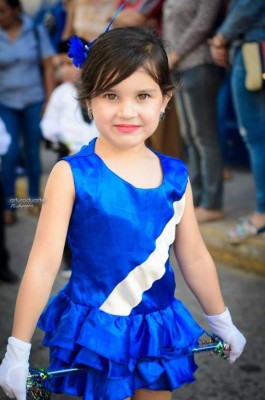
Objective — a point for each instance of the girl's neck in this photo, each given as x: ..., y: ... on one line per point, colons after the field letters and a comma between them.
x: 105, y: 150
x: 128, y: 164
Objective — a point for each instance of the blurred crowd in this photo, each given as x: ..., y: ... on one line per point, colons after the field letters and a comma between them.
x: 216, y: 52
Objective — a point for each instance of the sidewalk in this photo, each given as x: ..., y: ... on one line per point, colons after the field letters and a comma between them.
x: 238, y: 201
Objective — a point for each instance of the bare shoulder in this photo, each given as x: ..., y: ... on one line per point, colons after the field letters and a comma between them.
x: 61, y: 176
x: 59, y: 194
x: 61, y: 169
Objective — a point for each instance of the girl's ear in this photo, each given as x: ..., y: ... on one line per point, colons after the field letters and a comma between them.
x: 88, y: 104
x: 166, y: 99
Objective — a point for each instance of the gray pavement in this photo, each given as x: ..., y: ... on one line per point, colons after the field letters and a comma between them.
x: 243, y: 290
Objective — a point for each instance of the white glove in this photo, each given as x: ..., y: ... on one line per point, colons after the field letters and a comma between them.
x: 222, y: 326
x: 14, y: 368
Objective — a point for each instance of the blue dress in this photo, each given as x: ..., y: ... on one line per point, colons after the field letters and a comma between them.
x: 117, y: 315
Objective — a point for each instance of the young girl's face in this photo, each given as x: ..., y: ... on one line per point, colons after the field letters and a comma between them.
x: 128, y: 113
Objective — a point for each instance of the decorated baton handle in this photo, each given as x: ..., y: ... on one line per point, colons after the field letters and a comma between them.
x: 39, y: 381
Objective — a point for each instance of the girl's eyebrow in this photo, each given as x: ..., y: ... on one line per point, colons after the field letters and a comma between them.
x: 146, y: 90
x: 137, y: 91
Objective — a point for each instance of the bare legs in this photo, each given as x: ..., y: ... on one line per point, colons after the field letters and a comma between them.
x: 143, y: 394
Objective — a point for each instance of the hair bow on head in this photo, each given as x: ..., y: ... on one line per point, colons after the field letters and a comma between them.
x: 78, y: 50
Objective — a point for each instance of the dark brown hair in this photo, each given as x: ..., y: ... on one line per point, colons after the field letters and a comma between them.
x: 117, y: 54
x: 14, y: 4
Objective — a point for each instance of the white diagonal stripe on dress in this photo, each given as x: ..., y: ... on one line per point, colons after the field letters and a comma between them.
x: 128, y: 293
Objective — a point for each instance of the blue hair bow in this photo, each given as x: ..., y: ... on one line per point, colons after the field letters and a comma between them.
x: 78, y: 51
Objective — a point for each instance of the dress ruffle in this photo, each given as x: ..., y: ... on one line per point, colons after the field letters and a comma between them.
x: 122, y: 353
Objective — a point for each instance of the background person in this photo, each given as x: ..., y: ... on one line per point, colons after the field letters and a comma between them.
x: 87, y: 18
x: 187, y: 25
x: 64, y: 122
x: 24, y: 89
x: 245, y: 23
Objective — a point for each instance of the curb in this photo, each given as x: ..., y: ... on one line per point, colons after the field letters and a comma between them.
x: 249, y: 255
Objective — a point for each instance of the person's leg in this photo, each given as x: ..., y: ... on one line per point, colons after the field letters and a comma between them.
x: 249, y: 107
x: 12, y: 121
x: 201, y: 87
x: 6, y: 274
x: 225, y: 116
x: 143, y: 394
x: 250, y: 113
x: 32, y: 141
x: 3, y: 251
x: 186, y: 126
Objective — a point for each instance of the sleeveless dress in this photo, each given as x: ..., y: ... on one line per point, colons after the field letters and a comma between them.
x: 117, y: 315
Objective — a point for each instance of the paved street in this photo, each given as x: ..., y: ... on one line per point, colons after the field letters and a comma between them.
x: 244, y: 380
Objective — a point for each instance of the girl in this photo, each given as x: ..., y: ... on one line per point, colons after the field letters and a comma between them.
x: 122, y: 206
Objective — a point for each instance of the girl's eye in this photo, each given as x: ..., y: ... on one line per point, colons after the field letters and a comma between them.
x: 143, y: 96
x: 110, y: 96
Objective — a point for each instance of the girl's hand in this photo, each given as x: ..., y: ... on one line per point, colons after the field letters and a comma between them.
x: 14, y: 369
x: 222, y: 326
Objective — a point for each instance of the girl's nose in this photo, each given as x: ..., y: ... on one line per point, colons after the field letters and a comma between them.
x: 127, y: 109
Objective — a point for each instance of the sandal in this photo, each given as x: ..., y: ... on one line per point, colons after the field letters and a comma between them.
x: 244, y: 230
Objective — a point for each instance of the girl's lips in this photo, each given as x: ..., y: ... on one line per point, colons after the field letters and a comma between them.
x: 124, y: 128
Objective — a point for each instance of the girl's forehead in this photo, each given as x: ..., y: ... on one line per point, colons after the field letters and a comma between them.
x: 139, y: 79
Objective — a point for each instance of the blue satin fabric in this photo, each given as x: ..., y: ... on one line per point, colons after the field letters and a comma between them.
x: 113, y: 230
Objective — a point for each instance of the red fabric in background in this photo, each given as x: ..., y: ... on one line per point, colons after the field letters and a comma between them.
x: 152, y: 9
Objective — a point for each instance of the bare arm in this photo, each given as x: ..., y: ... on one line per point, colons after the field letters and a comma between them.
x: 197, y: 32
x: 129, y: 17
x: 196, y: 263
x: 46, y: 253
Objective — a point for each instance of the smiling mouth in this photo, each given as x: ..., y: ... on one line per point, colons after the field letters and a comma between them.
x: 126, y: 128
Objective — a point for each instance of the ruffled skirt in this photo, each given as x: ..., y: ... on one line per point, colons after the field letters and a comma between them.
x: 120, y: 353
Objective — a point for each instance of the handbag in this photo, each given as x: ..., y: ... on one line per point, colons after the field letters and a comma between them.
x: 254, y: 62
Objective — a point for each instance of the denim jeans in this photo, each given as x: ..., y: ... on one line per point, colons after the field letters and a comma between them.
x: 23, y: 124
x: 197, y: 111
x: 3, y: 250
x: 250, y: 112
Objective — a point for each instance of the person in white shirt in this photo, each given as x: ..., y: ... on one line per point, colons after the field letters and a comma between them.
x: 64, y: 122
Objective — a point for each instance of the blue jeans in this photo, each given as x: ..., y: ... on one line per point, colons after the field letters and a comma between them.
x: 197, y: 111
x: 23, y: 124
x: 3, y: 250
x: 250, y: 112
